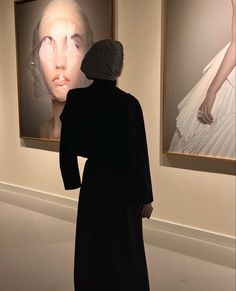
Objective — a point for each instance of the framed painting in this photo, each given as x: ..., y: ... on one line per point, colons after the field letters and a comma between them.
x: 52, y: 37
x: 199, y: 78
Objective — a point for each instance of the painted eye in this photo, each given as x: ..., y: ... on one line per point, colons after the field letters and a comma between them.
x: 73, y: 46
x: 46, y: 40
x: 76, y: 44
x: 46, y: 48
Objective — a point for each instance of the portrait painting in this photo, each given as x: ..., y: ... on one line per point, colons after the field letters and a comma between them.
x: 52, y: 37
x: 199, y: 78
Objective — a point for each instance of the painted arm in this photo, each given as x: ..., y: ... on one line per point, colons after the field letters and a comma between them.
x: 227, y: 65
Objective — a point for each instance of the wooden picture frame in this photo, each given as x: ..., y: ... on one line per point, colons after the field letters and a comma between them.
x: 35, y: 98
x: 196, y: 40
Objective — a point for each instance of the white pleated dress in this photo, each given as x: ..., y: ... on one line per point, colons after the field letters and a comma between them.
x: 218, y: 138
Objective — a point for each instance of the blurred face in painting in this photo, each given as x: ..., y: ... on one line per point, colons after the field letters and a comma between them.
x: 62, y: 46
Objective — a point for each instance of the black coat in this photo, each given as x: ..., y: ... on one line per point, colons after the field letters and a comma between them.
x: 105, y: 125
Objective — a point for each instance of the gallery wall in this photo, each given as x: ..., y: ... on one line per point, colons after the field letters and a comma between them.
x: 192, y: 198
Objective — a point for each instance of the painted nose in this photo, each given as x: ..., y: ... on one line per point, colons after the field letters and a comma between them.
x: 60, y: 58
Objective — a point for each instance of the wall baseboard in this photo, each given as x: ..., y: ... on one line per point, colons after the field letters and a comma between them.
x: 46, y: 203
x: 192, y: 232
x: 203, y: 244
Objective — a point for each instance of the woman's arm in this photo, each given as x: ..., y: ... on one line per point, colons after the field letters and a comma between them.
x: 138, y: 158
x: 67, y: 152
x: 228, y: 63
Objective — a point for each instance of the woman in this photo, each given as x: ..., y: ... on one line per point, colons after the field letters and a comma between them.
x: 61, y: 39
x: 105, y: 125
x: 206, y: 121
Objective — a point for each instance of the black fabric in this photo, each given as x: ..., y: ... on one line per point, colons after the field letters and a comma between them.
x: 105, y: 124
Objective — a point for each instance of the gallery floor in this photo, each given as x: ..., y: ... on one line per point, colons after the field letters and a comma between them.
x: 36, y: 254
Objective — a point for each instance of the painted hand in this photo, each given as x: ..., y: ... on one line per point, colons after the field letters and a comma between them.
x: 204, y: 112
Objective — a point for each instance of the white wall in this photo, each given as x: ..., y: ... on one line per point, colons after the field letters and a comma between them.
x: 193, y: 198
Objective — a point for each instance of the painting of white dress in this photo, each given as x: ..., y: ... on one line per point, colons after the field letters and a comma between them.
x: 200, y: 78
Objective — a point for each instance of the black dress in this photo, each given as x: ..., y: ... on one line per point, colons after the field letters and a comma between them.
x: 105, y: 125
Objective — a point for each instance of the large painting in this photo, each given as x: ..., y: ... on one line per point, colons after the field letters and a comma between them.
x: 52, y: 37
x: 199, y: 78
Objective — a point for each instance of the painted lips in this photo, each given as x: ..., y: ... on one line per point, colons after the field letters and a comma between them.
x: 60, y: 80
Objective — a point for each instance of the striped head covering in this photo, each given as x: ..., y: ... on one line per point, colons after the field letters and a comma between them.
x: 103, y: 60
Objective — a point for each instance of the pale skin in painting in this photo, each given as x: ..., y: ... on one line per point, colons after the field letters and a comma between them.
x: 62, y: 45
x: 227, y: 65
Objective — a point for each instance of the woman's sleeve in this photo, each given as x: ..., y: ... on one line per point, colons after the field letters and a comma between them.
x: 67, y: 153
x: 138, y: 154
